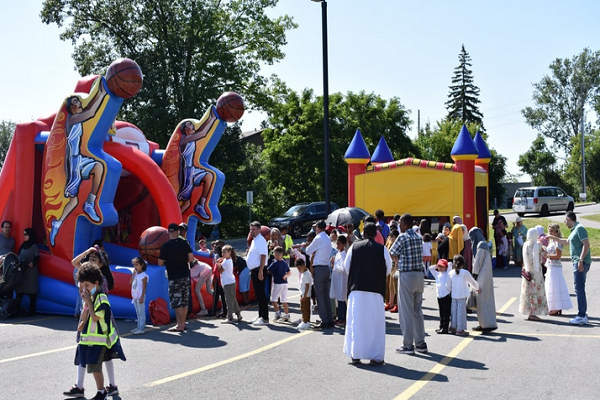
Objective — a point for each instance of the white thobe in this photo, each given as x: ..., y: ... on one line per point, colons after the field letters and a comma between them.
x: 365, y: 320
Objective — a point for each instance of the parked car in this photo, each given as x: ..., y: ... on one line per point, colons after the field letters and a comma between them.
x: 301, y: 217
x: 541, y: 200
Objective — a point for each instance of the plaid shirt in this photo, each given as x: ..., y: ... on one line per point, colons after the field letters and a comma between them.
x: 409, y: 249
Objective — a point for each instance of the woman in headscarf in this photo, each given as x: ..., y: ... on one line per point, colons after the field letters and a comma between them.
x: 29, y: 256
x: 482, y: 272
x: 519, y: 233
x: 533, y: 294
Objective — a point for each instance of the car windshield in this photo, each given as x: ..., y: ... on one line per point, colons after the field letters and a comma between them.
x: 295, y: 211
x: 524, y: 193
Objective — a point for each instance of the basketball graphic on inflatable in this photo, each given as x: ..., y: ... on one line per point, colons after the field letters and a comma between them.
x: 151, y: 240
x: 124, y: 78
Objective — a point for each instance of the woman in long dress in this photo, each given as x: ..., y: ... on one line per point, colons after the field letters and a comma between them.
x: 533, y: 294
x: 556, y: 286
x: 29, y: 255
x: 482, y: 272
x: 519, y: 230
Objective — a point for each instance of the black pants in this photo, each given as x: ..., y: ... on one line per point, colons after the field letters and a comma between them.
x: 32, y: 302
x: 261, y: 295
x: 219, y: 293
x: 445, y: 305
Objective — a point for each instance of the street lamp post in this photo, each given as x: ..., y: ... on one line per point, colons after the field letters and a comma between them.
x: 325, y: 103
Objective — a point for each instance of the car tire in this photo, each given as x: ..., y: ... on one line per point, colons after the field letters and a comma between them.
x: 544, y: 211
x: 520, y: 214
x: 296, y: 231
x: 571, y: 206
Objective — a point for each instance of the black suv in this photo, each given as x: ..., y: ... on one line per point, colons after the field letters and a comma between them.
x: 301, y: 217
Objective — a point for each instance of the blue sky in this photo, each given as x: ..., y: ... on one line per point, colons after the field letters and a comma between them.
x: 406, y: 49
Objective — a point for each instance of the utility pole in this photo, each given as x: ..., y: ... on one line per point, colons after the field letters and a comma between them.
x: 583, y: 194
x: 418, y: 123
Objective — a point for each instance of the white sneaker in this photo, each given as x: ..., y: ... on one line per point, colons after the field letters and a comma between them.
x: 303, y: 326
x: 285, y: 318
x: 278, y: 316
x: 227, y: 321
x: 202, y: 313
x: 255, y: 319
x: 579, y: 320
x: 259, y: 322
x: 138, y: 332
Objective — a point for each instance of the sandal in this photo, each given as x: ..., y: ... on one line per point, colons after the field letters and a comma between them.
x: 462, y: 333
x: 555, y: 312
x: 533, y: 318
x: 174, y: 329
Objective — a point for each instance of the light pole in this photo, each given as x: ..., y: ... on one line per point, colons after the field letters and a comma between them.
x: 325, y: 103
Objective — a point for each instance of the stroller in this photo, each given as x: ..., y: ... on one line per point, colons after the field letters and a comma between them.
x: 11, y: 276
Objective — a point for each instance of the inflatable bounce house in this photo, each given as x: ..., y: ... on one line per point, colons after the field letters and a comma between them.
x: 79, y: 175
x: 419, y: 187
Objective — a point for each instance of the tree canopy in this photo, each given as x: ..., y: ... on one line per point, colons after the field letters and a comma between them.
x: 540, y: 164
x: 190, y: 51
x: 464, y: 95
x: 293, y: 155
x: 561, y: 96
x: 7, y: 128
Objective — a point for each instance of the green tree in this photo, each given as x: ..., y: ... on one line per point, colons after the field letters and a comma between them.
x: 561, y: 96
x: 592, y: 158
x: 293, y: 155
x: 7, y: 129
x: 436, y: 145
x: 190, y: 51
x: 540, y: 164
x: 572, y: 169
x: 464, y: 95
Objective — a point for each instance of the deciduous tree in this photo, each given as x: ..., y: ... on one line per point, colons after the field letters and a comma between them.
x: 7, y: 128
x: 190, y: 51
x: 561, y: 96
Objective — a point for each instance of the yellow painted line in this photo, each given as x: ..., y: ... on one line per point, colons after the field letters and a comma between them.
x: 28, y: 321
x: 415, y: 387
x: 228, y: 361
x: 529, y: 334
x: 43, y: 353
x: 505, y: 306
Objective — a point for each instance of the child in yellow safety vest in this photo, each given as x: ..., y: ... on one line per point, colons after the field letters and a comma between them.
x: 99, y: 340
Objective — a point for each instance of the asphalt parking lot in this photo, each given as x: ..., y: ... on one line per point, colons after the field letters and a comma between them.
x: 522, y: 359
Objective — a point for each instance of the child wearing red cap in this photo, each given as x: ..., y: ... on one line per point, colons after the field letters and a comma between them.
x: 440, y: 273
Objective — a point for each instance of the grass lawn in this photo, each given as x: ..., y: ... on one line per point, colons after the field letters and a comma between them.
x: 593, y: 234
x: 595, y: 217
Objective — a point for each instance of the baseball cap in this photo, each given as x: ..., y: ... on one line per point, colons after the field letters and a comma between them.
x: 173, y: 227
x: 183, y: 225
x: 518, y: 219
x: 442, y: 263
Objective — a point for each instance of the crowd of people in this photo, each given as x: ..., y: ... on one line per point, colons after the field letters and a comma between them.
x: 352, y: 278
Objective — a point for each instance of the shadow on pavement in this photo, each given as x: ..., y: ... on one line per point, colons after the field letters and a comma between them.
x: 400, y: 372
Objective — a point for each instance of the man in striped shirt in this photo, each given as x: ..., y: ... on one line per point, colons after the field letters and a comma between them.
x: 408, y: 247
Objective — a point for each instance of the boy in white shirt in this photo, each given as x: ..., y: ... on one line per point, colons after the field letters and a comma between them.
x: 440, y: 273
x: 305, y: 283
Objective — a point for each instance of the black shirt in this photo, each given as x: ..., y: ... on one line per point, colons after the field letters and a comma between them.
x: 175, y: 255
x: 443, y: 249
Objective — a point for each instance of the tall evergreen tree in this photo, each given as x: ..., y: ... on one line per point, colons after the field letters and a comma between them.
x: 464, y: 95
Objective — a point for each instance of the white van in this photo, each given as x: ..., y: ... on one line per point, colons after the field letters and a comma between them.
x: 541, y: 200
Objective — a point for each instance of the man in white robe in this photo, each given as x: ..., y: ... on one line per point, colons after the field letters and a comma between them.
x: 367, y: 264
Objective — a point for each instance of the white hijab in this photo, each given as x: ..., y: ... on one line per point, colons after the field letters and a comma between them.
x: 532, y: 247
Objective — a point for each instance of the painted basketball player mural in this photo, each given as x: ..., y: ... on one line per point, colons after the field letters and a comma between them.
x: 96, y: 171
x: 186, y: 159
x: 79, y: 167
